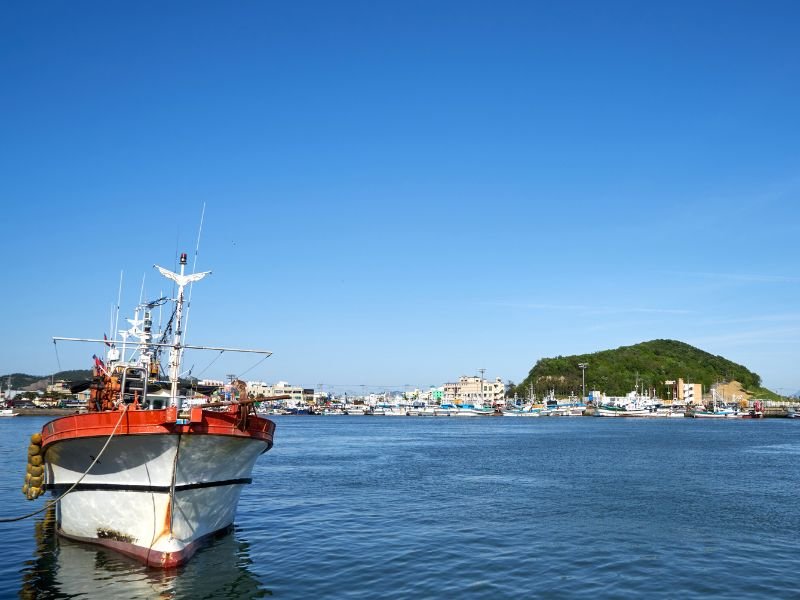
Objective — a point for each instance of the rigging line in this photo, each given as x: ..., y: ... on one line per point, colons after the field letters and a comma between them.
x: 58, y: 360
x: 211, y: 363
x: 194, y: 270
x: 175, y: 259
x: 254, y: 366
x: 141, y: 290
x: 52, y: 503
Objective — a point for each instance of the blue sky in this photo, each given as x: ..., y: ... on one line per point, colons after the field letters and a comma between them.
x: 400, y: 193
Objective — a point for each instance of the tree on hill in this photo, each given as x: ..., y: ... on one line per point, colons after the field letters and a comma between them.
x: 648, y: 365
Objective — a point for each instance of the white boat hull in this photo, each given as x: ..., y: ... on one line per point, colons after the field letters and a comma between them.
x: 157, y: 490
x: 713, y: 415
x: 125, y: 501
x: 521, y: 413
x: 639, y: 412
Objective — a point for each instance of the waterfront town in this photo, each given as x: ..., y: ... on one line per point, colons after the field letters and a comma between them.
x: 467, y: 396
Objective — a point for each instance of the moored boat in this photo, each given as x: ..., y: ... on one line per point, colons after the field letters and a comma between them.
x: 611, y: 410
x: 147, y: 474
x: 631, y: 405
x: 445, y: 410
x: 522, y: 411
x: 716, y: 410
x: 470, y: 410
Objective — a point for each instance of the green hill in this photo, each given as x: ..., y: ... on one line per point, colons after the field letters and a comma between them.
x: 23, y: 381
x: 616, y: 372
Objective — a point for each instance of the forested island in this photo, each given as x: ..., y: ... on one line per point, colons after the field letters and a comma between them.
x: 645, y: 366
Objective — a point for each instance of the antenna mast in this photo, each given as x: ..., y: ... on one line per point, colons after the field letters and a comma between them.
x: 176, y: 350
x: 119, y: 300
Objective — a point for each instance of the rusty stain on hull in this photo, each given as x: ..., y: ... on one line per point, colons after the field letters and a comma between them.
x: 166, y: 557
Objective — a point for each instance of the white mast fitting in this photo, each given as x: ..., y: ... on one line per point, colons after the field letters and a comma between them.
x: 176, y: 350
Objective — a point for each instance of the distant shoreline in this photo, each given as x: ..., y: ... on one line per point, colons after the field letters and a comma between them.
x: 45, y: 412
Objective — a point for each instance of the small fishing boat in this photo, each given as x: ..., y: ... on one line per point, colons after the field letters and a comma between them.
x: 613, y: 410
x: 143, y: 471
x: 522, y: 411
x: 445, y: 410
x: 714, y: 413
x: 717, y: 410
x: 471, y: 410
x: 757, y: 412
x: 632, y: 405
x: 7, y: 412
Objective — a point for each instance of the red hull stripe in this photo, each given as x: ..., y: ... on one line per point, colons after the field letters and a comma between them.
x: 149, y: 422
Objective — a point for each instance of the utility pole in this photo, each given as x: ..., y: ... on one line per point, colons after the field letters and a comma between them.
x: 482, y: 371
x: 583, y: 367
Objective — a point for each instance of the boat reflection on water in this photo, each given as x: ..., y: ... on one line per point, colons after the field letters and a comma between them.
x: 63, y: 568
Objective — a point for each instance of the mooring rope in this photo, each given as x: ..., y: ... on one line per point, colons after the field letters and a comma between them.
x: 52, y: 503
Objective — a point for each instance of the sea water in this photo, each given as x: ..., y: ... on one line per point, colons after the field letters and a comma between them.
x: 372, y: 507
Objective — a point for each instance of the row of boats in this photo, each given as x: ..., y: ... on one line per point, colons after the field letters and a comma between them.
x: 630, y: 406
x: 638, y: 406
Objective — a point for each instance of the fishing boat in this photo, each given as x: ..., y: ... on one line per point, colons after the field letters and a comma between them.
x: 757, y: 412
x: 385, y: 409
x: 714, y: 413
x: 445, y: 409
x: 527, y: 410
x: 632, y: 405
x: 144, y: 471
x: 613, y: 410
x: 420, y: 408
x: 472, y: 410
x: 717, y: 410
x: 7, y: 412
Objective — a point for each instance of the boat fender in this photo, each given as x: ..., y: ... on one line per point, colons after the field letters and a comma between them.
x: 34, y: 476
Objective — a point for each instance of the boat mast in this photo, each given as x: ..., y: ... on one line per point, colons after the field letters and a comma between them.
x: 176, y: 350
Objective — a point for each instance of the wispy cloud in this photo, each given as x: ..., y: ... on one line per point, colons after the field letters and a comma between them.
x: 765, y: 318
x: 588, y: 309
x: 738, y: 277
x: 782, y: 335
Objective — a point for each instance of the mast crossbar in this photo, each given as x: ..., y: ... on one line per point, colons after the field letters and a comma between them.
x: 163, y: 345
